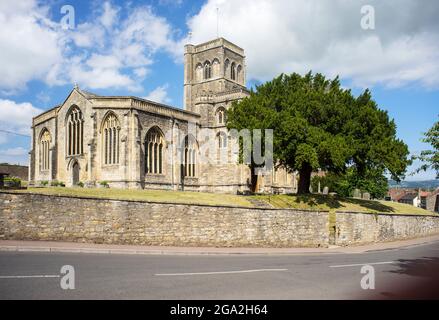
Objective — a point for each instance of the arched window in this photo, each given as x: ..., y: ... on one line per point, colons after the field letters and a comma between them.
x: 233, y: 71
x: 199, y: 72
x: 190, y: 158
x: 222, y: 140
x: 239, y: 74
x: 45, y: 150
x: 226, y: 67
x: 110, y: 139
x: 154, y: 144
x: 221, y: 115
x: 75, y: 130
x: 207, y: 70
x: 216, y: 68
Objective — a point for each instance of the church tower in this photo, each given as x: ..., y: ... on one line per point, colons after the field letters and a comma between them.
x: 212, y: 71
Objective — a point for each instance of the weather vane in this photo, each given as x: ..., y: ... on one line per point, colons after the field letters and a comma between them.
x: 217, y: 22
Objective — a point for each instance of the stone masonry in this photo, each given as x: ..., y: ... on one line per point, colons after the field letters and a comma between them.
x: 43, y: 217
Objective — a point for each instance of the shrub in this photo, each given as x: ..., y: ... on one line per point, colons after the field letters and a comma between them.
x: 54, y: 183
x: 104, y: 184
x: 80, y: 184
x: 12, y: 182
x: 44, y: 183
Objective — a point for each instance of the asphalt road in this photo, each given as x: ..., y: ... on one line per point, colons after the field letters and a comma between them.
x: 410, y: 272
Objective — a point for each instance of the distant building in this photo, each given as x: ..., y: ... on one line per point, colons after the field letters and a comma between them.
x: 432, y: 201
x: 410, y: 198
x: 423, y: 199
x: 423, y: 195
x: 16, y: 171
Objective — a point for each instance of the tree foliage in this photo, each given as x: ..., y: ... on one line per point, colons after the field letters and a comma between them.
x: 319, y: 125
x: 430, y: 158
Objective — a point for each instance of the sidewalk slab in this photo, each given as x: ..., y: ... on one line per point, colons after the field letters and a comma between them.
x: 73, y: 247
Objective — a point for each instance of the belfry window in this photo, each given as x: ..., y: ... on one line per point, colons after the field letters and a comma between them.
x: 45, y: 150
x: 154, y: 144
x: 207, y: 70
x: 239, y: 74
x: 110, y: 139
x: 75, y: 130
x: 233, y: 71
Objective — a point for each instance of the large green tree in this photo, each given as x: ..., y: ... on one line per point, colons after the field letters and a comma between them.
x: 319, y: 125
x: 430, y: 158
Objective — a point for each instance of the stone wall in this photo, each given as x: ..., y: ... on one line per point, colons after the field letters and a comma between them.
x: 13, y: 170
x: 41, y: 217
x: 359, y: 228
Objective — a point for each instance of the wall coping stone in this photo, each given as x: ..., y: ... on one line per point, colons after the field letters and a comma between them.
x: 163, y: 202
x: 390, y: 214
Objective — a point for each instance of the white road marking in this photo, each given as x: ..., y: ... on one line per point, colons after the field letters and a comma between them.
x: 35, y: 276
x: 361, y: 264
x: 218, y: 272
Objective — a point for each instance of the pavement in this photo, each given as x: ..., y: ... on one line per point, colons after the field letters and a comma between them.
x: 403, y: 272
x: 74, y: 247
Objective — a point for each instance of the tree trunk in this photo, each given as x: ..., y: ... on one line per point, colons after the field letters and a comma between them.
x: 253, y: 179
x: 304, y: 179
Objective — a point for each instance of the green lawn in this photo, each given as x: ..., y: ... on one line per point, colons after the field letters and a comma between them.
x: 310, y: 202
x: 147, y: 195
x: 334, y: 203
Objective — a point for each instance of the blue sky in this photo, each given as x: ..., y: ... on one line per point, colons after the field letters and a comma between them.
x: 135, y: 48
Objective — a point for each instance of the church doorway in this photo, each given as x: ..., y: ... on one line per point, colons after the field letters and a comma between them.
x: 75, y: 173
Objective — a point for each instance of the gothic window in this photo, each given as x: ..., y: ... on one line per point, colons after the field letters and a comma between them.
x: 222, y: 140
x: 207, y: 70
x: 199, y: 72
x: 239, y: 74
x: 221, y: 114
x: 75, y: 130
x: 110, y: 136
x: 190, y: 147
x: 154, y: 144
x: 216, y: 68
x: 233, y: 71
x: 226, y: 67
x: 45, y: 150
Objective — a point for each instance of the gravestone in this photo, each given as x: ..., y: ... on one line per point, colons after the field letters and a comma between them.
x: 366, y: 196
x: 357, y: 194
x: 325, y: 190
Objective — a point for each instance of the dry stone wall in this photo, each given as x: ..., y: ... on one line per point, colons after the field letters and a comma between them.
x: 42, y: 217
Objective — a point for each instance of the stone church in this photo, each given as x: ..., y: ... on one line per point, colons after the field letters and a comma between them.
x: 130, y: 142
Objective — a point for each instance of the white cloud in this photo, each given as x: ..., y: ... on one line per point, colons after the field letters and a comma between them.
x: 13, y: 152
x: 118, y: 54
x: 104, y: 52
x: 326, y: 36
x: 29, y: 46
x: 116, y: 46
x: 159, y: 94
x: 109, y: 16
x: 17, y: 117
x: 43, y: 97
x: 17, y: 155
